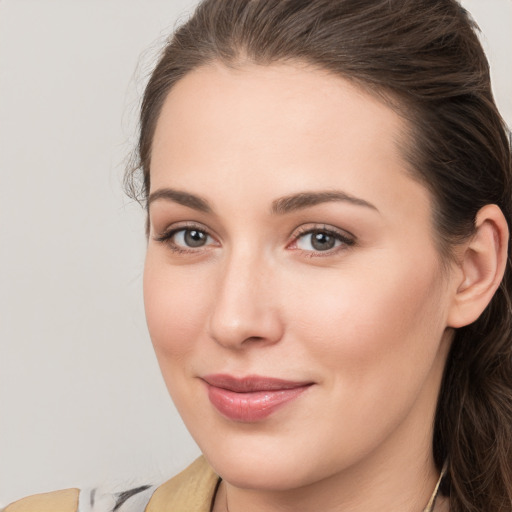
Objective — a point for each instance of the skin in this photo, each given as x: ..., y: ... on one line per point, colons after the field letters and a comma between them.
x: 369, y: 322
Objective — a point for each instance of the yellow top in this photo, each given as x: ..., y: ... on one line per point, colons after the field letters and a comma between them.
x: 192, y: 490
x: 59, y: 501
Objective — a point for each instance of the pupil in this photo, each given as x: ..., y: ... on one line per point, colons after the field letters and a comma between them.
x: 322, y: 241
x: 194, y: 238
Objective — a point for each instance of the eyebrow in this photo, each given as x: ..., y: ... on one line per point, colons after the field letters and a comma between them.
x: 280, y: 206
x: 303, y: 200
x: 180, y: 197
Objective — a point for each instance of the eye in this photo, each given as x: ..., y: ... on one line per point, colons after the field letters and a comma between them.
x: 321, y: 240
x: 186, y: 239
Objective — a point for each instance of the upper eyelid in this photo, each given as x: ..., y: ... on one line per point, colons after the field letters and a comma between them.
x: 304, y: 230
x: 174, y: 228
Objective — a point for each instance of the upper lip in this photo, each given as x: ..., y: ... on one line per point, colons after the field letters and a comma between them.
x: 251, y: 383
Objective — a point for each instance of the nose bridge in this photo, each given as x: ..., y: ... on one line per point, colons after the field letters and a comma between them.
x: 244, y: 308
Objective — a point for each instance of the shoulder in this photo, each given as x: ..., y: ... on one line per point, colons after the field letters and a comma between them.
x: 59, y: 501
x: 192, y: 490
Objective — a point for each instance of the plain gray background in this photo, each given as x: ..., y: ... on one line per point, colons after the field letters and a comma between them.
x: 81, y: 397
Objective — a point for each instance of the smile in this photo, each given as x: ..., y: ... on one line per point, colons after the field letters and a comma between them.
x: 253, y: 398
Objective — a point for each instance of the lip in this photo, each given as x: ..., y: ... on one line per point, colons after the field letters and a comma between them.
x: 252, y: 398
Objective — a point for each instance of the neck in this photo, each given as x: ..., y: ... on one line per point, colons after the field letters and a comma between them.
x: 406, y: 487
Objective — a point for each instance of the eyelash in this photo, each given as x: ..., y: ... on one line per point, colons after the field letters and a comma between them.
x: 346, y: 239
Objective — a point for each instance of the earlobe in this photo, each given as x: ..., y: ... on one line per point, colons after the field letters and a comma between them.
x: 482, y: 264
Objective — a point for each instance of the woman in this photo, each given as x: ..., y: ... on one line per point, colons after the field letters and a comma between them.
x: 327, y: 281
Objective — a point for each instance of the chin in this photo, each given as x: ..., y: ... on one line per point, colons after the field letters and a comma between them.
x: 270, y: 475
x: 268, y: 469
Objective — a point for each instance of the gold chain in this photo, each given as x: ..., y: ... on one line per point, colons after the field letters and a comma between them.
x: 432, y: 501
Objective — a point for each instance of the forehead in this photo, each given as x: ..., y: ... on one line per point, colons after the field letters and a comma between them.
x: 282, y: 128
x: 275, y: 105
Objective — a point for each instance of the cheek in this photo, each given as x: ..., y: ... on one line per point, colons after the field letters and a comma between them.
x: 386, y: 319
x: 374, y: 337
x: 175, y: 302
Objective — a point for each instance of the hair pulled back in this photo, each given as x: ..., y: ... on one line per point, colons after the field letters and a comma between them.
x: 424, y: 57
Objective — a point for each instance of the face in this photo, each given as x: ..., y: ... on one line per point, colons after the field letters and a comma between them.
x: 294, y: 296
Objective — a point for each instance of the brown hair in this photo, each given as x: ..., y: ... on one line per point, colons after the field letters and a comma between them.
x: 423, y: 55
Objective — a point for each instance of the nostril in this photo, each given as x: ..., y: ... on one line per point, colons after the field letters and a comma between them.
x: 254, y: 338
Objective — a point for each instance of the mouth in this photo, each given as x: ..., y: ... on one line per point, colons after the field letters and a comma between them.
x: 252, y: 398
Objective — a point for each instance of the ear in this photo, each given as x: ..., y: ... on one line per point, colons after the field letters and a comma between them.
x: 482, y: 265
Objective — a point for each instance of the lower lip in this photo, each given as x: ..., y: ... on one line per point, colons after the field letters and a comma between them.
x: 252, y: 406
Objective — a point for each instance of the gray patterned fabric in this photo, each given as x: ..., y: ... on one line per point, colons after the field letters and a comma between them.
x: 131, y: 500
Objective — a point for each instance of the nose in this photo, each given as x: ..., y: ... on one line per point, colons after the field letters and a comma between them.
x: 245, y: 309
